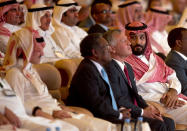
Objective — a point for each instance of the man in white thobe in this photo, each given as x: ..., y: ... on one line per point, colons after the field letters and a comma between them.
x: 9, y: 14
x: 19, y: 118
x: 67, y: 35
x: 39, y: 18
x: 155, y: 81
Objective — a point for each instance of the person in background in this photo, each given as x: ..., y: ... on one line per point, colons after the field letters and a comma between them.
x: 129, y: 11
x: 39, y: 18
x: 9, y: 23
x: 102, y: 14
x: 177, y: 57
x: 178, y: 8
x: 67, y: 35
x: 157, y: 19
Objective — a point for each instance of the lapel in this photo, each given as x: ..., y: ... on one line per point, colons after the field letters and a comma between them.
x: 96, y: 70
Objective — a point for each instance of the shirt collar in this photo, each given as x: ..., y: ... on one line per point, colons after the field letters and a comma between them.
x: 183, y: 56
x: 121, y: 64
x: 103, y: 26
x: 98, y: 66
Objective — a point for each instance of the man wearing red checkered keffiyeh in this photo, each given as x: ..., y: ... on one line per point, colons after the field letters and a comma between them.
x: 155, y: 81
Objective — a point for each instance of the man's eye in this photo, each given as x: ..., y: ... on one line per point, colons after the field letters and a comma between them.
x: 142, y: 38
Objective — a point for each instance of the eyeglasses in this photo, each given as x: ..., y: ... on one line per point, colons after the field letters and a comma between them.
x: 105, y: 47
x: 105, y: 12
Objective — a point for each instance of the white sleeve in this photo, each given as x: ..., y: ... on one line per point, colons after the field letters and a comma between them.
x: 16, y: 82
x: 174, y: 82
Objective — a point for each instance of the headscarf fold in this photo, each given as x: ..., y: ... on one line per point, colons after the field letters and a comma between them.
x: 139, y: 67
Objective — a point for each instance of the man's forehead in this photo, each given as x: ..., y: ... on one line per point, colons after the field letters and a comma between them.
x: 73, y: 8
x: 101, y: 6
x: 136, y: 34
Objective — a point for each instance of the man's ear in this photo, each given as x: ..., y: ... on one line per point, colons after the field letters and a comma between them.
x: 94, y: 53
x: 112, y: 50
x: 178, y: 43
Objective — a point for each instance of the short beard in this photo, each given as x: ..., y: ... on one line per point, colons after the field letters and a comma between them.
x: 139, y: 52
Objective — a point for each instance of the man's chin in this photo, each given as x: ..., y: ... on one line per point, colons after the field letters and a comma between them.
x: 137, y: 53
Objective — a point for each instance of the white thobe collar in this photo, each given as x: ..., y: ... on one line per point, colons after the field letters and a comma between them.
x: 43, y: 33
x: 11, y: 28
x: 104, y: 27
x: 183, y: 56
x: 144, y: 59
x: 28, y: 66
x: 98, y: 66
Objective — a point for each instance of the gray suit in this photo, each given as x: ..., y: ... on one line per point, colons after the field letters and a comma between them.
x: 175, y: 61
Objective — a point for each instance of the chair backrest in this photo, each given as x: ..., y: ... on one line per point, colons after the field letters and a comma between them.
x: 67, y: 68
x: 49, y: 75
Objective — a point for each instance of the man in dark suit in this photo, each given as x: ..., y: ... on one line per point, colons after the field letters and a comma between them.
x: 124, y: 87
x: 101, y: 13
x: 89, y: 87
x: 177, y: 57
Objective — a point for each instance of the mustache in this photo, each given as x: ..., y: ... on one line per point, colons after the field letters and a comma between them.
x: 137, y: 45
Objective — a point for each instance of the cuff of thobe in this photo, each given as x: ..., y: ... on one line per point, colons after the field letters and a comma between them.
x: 142, y: 113
x: 120, y: 116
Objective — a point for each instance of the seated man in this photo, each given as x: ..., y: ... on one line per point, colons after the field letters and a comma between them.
x: 129, y: 11
x: 26, y: 49
x: 177, y: 57
x: 155, y: 81
x: 9, y: 13
x: 90, y: 87
x: 39, y: 18
x: 101, y: 13
x: 67, y: 35
x: 124, y: 87
x: 14, y: 113
x: 158, y: 18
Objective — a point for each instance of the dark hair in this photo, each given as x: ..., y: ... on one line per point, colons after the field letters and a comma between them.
x: 93, y: 7
x: 175, y: 34
x: 109, y: 35
x: 90, y: 42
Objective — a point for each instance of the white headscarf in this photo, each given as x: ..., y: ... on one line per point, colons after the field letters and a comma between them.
x: 33, y: 18
x: 61, y: 7
x: 23, y: 43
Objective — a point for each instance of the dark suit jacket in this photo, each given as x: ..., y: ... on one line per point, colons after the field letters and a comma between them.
x: 176, y: 62
x: 96, y: 29
x: 123, y: 92
x: 90, y: 91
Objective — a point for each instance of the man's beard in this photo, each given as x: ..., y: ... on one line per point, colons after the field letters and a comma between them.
x: 138, y: 51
